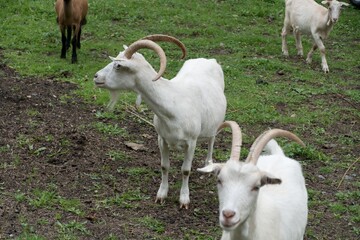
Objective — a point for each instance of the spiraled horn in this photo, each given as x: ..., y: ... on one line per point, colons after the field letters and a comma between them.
x: 150, y: 45
x: 236, y: 138
x: 264, y: 138
x: 167, y: 38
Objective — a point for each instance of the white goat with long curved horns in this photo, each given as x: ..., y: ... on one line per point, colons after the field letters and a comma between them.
x: 265, y: 197
x: 187, y: 109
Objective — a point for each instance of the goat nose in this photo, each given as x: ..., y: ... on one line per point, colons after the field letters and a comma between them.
x: 228, y: 213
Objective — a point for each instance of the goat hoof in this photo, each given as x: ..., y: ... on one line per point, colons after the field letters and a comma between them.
x: 186, y: 206
x: 326, y: 69
x: 160, y: 200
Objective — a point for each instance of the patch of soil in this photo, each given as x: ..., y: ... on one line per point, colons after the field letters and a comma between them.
x: 48, y: 142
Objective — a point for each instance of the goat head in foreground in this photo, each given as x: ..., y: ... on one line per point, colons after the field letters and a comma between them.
x: 264, y: 197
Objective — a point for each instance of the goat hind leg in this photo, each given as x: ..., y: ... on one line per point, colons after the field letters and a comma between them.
x: 74, y: 43
x: 285, y: 50
x: 309, y: 55
x: 299, y: 46
x: 68, y: 38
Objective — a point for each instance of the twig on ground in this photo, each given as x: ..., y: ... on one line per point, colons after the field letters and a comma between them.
x: 347, y: 170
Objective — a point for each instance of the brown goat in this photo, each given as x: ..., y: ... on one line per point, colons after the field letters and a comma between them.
x: 71, y: 15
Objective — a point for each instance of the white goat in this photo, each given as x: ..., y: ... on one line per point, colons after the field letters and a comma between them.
x: 263, y: 198
x: 189, y: 108
x: 309, y: 17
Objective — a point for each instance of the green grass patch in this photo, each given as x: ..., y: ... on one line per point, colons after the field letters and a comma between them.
x: 263, y: 89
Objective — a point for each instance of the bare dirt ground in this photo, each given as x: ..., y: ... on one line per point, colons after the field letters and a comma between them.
x: 48, y: 141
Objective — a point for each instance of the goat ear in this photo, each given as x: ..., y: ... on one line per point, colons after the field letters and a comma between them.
x: 267, y: 178
x: 112, y: 58
x: 325, y: 2
x: 125, y: 47
x: 344, y: 4
x: 213, y: 167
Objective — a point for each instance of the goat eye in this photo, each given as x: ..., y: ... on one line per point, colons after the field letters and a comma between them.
x: 219, y: 182
x: 117, y: 66
x: 256, y: 188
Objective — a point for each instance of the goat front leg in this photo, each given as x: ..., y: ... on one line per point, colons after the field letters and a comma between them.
x: 208, y: 159
x: 63, y: 41
x: 185, y: 169
x: 321, y: 47
x: 74, y: 55
x: 165, y: 166
x: 78, y: 44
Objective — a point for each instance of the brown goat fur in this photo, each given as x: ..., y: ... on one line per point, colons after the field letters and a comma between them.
x: 71, y: 15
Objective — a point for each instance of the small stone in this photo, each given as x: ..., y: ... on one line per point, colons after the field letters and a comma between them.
x: 321, y: 177
x: 347, y: 177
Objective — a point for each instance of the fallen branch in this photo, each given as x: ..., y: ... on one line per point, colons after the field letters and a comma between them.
x: 132, y: 110
x: 347, y: 170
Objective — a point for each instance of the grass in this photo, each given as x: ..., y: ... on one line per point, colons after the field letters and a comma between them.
x: 263, y: 88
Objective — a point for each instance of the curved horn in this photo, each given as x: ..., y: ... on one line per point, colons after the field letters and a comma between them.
x: 150, y: 45
x: 236, y: 138
x: 167, y: 38
x: 264, y: 138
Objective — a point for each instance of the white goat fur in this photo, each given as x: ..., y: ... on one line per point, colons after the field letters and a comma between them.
x: 188, y: 108
x: 276, y: 211
x: 309, y: 17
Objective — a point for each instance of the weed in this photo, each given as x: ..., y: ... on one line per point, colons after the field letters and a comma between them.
x: 152, y: 224
x: 119, y: 156
x: 32, y: 112
x: 110, y: 129
x: 4, y: 149
x: 71, y: 229
x: 19, y: 196
x: 126, y: 200
x: 71, y: 205
x: 43, y: 198
x: 24, y: 141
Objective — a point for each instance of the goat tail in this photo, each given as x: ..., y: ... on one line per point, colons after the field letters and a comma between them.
x: 273, y: 148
